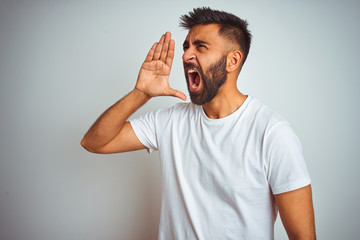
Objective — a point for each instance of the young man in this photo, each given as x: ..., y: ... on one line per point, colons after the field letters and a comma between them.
x: 229, y: 163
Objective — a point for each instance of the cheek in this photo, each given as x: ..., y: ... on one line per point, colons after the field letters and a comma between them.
x: 203, y: 65
x: 206, y: 61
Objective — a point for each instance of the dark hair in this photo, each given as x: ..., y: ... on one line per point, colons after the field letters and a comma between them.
x: 231, y: 26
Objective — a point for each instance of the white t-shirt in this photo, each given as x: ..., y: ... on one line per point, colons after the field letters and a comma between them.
x: 219, y: 175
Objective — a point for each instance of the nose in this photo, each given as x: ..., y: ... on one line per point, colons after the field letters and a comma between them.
x: 189, y: 55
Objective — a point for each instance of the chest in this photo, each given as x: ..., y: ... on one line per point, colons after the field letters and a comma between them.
x: 221, y: 156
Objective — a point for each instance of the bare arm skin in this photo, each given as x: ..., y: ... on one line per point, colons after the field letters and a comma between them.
x: 297, y: 213
x: 112, y: 133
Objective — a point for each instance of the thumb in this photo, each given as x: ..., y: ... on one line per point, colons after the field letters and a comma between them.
x: 176, y: 93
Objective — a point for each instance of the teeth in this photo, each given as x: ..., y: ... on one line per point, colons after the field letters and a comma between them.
x: 191, y: 71
x: 194, y: 86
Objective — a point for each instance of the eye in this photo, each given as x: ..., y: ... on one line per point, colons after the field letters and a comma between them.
x: 201, y: 46
x: 185, y: 48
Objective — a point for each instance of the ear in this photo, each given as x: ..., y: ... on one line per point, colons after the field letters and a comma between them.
x: 234, y: 59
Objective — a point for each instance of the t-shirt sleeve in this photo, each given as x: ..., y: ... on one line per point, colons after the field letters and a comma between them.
x: 149, y: 127
x: 286, y: 166
x: 145, y: 130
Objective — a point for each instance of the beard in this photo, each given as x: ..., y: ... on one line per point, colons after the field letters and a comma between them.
x: 212, y: 80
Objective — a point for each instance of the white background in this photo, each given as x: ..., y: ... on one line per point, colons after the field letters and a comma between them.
x: 62, y: 63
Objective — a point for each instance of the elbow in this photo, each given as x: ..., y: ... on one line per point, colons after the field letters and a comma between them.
x: 86, y: 146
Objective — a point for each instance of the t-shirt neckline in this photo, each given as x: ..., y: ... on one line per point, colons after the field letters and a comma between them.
x: 229, y: 117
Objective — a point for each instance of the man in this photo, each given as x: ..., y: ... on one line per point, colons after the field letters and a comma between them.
x: 229, y: 163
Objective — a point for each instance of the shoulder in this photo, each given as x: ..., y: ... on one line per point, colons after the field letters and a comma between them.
x: 178, y: 110
x: 184, y: 107
x: 263, y: 116
x: 270, y: 126
x: 163, y: 115
x: 274, y: 128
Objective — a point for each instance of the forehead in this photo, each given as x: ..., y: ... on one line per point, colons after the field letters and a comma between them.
x: 208, y: 33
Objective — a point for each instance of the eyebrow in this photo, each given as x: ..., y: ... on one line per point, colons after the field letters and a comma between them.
x: 196, y: 42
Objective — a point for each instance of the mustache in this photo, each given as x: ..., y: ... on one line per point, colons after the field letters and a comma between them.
x: 190, y: 65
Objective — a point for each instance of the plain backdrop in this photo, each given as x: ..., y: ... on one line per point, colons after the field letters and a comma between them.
x: 62, y: 63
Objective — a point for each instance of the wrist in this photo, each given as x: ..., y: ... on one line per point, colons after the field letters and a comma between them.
x: 140, y: 94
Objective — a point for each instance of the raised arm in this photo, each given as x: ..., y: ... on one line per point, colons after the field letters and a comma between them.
x: 112, y: 133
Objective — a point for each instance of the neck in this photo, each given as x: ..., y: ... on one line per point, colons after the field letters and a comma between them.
x: 227, y: 101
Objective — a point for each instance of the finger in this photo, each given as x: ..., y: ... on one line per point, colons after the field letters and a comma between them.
x: 158, y: 49
x: 165, y: 48
x: 150, y: 55
x: 170, y: 54
x: 175, y: 93
x: 180, y: 95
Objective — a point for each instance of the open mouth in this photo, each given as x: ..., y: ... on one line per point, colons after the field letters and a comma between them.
x: 194, y: 79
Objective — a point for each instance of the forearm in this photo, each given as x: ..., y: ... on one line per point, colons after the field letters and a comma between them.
x: 110, y: 123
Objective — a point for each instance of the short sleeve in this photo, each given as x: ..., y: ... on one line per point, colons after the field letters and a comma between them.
x: 286, y: 167
x: 148, y: 127
x: 145, y: 130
